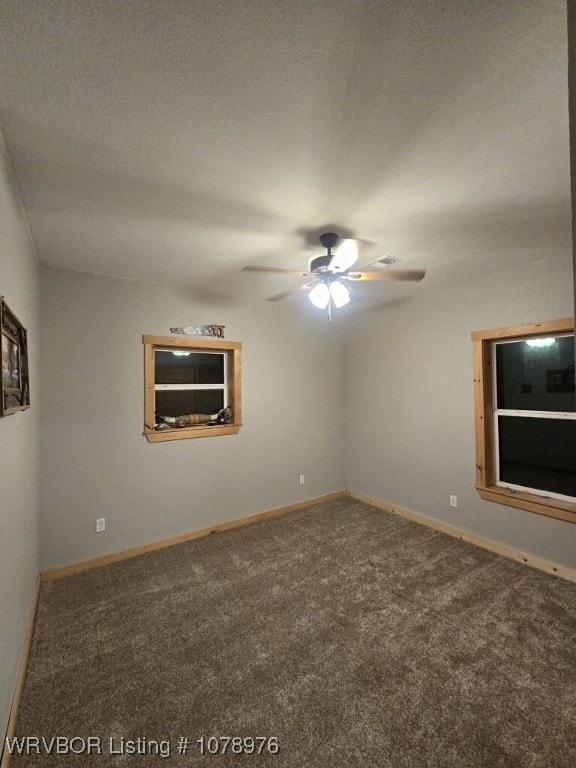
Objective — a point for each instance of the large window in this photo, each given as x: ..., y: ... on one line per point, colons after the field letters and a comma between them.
x: 192, y: 387
x: 526, y: 417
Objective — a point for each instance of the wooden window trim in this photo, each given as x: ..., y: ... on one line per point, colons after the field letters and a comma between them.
x: 482, y: 342
x: 233, y: 351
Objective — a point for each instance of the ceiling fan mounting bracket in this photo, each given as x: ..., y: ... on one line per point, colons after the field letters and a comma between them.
x: 329, y: 240
x: 321, y: 264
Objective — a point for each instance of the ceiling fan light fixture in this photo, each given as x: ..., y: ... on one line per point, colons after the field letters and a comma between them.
x: 339, y: 294
x: 320, y: 295
x: 330, y: 273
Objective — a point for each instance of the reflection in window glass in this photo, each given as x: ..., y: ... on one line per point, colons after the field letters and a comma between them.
x: 536, y: 375
x: 538, y: 453
x: 178, y: 367
x: 183, y: 402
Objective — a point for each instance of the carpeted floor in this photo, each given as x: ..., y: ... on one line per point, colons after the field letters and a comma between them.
x: 354, y: 637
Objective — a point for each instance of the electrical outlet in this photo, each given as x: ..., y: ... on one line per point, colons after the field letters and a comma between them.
x: 100, y: 524
x: 453, y: 501
x: 302, y: 479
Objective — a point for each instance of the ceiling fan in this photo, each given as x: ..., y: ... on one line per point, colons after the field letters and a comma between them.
x: 331, y: 273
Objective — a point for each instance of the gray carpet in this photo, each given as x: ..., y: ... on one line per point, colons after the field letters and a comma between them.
x: 355, y: 637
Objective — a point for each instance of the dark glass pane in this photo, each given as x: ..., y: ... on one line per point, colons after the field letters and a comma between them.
x: 538, y: 453
x: 536, y: 378
x: 182, y: 402
x: 193, y: 368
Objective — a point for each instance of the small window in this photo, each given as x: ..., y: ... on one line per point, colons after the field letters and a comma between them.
x: 192, y: 387
x: 526, y: 417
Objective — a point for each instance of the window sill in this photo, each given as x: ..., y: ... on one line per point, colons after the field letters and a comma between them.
x: 185, y: 433
x: 542, y: 505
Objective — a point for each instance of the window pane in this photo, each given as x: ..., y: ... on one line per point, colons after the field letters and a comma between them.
x: 179, y: 403
x: 538, y: 453
x: 536, y: 378
x: 192, y: 368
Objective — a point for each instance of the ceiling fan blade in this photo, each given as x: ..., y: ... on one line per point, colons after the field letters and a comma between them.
x: 276, y: 270
x: 345, y: 256
x: 285, y: 294
x: 387, y: 274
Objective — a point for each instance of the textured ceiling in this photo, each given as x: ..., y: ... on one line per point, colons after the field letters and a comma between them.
x: 177, y: 141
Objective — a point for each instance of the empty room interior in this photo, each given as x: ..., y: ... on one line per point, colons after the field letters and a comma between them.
x: 287, y: 412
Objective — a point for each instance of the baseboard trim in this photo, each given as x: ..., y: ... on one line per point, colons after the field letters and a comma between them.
x: 20, y: 677
x: 459, y: 533
x: 125, y: 554
x: 473, y: 538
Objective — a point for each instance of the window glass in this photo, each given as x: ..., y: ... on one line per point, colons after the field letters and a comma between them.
x: 536, y: 374
x: 538, y: 453
x: 178, y: 402
x: 181, y: 367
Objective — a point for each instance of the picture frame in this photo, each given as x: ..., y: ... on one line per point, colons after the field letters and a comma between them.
x: 560, y: 380
x: 14, y: 382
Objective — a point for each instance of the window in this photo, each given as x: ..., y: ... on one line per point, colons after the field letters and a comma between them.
x: 525, y: 408
x: 191, y: 388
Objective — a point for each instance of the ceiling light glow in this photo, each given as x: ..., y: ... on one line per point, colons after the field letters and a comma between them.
x: 540, y: 342
x: 339, y: 294
x: 320, y: 295
x: 325, y: 292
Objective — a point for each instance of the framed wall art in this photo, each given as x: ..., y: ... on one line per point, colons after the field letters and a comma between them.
x: 14, y: 385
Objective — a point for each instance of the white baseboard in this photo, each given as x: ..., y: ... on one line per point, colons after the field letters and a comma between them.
x: 473, y: 538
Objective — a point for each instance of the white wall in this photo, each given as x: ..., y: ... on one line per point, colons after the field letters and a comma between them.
x: 18, y: 445
x: 409, y: 392
x: 95, y: 461
x: 408, y: 430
